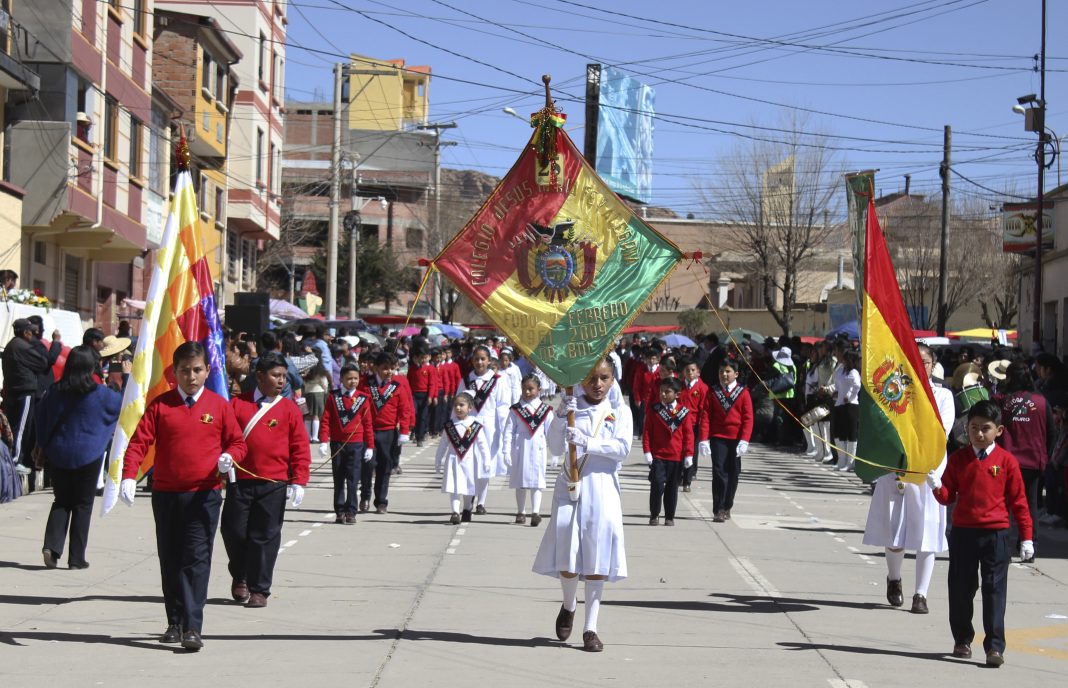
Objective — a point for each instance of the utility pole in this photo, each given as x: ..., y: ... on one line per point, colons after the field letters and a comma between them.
x: 1040, y: 156
x: 438, y: 145
x: 943, y: 259
x: 335, y: 200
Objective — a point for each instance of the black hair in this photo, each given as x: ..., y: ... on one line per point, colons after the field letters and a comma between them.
x: 713, y: 338
x: 188, y: 351
x: 466, y: 396
x: 384, y: 358
x: 91, y: 335
x: 683, y: 362
x: 1017, y: 379
x: 729, y: 362
x: 78, y: 371
x: 986, y: 409
x: 290, y: 344
x: 851, y: 360
x: 482, y: 347
x: 651, y: 351
x: 349, y: 368
x: 673, y: 383
x: 269, y: 361
x: 268, y: 340
x: 668, y: 363
x: 531, y: 377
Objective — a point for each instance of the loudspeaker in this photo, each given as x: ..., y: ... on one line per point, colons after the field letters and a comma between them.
x: 250, y: 319
x: 252, y: 298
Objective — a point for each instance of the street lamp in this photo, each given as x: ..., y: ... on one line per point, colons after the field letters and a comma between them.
x: 513, y: 113
x: 1035, y: 120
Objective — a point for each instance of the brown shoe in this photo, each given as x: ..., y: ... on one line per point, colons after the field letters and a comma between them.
x: 520, y: 518
x: 962, y: 651
x: 719, y: 517
x: 239, y: 591
x: 726, y: 514
x: 654, y: 520
x: 591, y: 643
x: 994, y: 659
x: 893, y: 593
x: 350, y: 519
x: 256, y: 600
x: 669, y: 521
x: 381, y: 509
x: 365, y: 506
x: 480, y: 510
x: 685, y: 488
x: 535, y: 520
x: 564, y: 622
x: 919, y: 604
x: 340, y: 518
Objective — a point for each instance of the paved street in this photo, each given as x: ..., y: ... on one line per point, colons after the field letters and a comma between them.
x: 784, y: 594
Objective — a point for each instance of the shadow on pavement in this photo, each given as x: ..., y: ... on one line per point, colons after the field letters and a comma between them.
x: 745, y: 603
x: 451, y: 637
x: 34, y: 599
x: 151, y: 642
x: 857, y: 649
x: 24, y: 567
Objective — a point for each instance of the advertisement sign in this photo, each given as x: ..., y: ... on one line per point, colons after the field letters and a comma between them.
x: 624, y: 156
x: 1018, y: 227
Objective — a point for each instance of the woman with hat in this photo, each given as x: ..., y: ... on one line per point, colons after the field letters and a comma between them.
x: 113, y: 365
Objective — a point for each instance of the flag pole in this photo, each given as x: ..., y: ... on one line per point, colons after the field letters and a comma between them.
x: 572, y: 451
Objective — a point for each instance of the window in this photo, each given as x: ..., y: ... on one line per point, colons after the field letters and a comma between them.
x: 259, y: 155
x: 270, y: 168
x: 414, y: 238
x: 111, y: 127
x: 220, y: 205
x: 260, y: 67
x: 157, y: 149
x: 72, y: 272
x: 232, y: 256
x: 137, y: 129
x: 204, y: 197
x: 40, y: 252
x: 207, y: 72
x: 82, y: 124
x: 220, y: 83
x: 137, y: 7
x: 279, y: 79
x: 248, y: 262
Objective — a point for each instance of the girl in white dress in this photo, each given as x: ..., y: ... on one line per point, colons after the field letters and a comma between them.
x: 510, y: 370
x: 524, y: 441
x: 903, y: 516
x: 492, y: 399
x: 585, y: 538
x: 463, y: 447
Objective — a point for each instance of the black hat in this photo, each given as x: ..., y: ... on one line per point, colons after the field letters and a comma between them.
x: 21, y: 325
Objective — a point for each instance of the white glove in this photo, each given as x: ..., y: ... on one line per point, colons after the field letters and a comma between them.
x: 577, y: 438
x: 324, y: 449
x: 368, y: 454
x: 225, y: 464
x: 1027, y: 549
x: 403, y: 440
x: 648, y: 458
x: 296, y: 493
x: 704, y: 448
x: 687, y: 461
x: 743, y: 447
x: 568, y: 404
x: 555, y: 461
x: 127, y: 488
x: 932, y: 481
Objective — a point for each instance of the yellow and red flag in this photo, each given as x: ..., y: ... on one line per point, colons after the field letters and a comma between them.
x: 180, y: 307
x: 555, y: 259
x: 900, y: 429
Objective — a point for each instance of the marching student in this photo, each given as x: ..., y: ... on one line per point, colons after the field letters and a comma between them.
x: 491, y: 397
x: 463, y: 447
x: 645, y: 385
x: 668, y: 445
x: 526, y: 450
x: 347, y: 435
x: 694, y: 396
x: 275, y: 470
x: 443, y: 408
x: 424, y: 383
x: 197, y: 438
x: 730, y: 421
x: 393, y: 419
x: 509, y: 369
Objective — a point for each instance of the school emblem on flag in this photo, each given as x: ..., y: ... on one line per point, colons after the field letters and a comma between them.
x: 893, y: 386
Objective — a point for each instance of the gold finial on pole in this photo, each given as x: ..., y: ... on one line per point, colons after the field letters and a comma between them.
x: 545, y: 79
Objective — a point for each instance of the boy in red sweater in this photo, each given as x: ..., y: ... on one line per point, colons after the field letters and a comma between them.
x: 645, y: 385
x: 985, y: 482
x: 393, y: 421
x: 668, y: 446
x: 197, y: 438
x: 424, y: 382
x: 694, y: 396
x: 346, y: 434
x: 275, y: 469
x: 730, y: 422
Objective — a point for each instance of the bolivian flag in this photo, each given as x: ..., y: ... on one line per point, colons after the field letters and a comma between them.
x: 899, y: 423
x: 555, y: 259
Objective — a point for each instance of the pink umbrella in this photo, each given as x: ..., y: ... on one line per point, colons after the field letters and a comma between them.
x: 409, y: 332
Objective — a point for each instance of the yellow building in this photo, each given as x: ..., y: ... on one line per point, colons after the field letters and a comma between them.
x: 387, y: 95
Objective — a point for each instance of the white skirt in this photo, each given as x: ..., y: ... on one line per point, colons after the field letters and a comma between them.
x: 459, y: 476
x: 912, y: 519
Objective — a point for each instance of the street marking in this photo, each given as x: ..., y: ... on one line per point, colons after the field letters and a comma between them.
x: 290, y: 543
x: 316, y: 525
x: 450, y: 550
x: 853, y: 549
x: 461, y: 531
x: 838, y: 539
x: 753, y: 577
x: 846, y: 683
x: 304, y: 533
x: 455, y: 542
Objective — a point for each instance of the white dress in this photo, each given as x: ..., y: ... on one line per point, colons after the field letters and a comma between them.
x: 526, y: 452
x: 492, y: 415
x: 459, y: 477
x: 586, y: 537
x: 911, y: 519
x: 515, y: 381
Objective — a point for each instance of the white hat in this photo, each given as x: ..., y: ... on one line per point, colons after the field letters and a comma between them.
x: 784, y: 356
x: 114, y: 345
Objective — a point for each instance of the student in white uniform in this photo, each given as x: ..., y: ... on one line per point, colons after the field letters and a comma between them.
x: 526, y: 451
x: 903, y: 516
x: 491, y: 395
x: 510, y: 370
x: 585, y: 538
x: 463, y: 448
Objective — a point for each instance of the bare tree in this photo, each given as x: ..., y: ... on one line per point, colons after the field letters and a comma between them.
x: 779, y: 189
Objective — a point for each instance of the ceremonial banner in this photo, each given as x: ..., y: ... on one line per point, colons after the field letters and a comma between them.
x: 180, y: 307
x: 555, y: 259
x: 899, y: 424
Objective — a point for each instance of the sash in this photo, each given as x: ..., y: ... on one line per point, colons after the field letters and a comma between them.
x: 534, y: 420
x: 674, y: 422
x: 481, y: 395
x: 462, y: 444
x: 726, y: 401
x: 259, y: 414
x: 381, y: 398
x: 357, y: 403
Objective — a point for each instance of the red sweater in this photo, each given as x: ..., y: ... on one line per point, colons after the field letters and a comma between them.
x: 398, y: 410
x: 663, y: 442
x: 736, y: 424
x: 188, y: 442
x: 985, y: 491
x: 277, y: 444
x: 449, y: 373
x: 696, y: 399
x: 424, y: 380
x: 644, y: 381
x: 359, y: 429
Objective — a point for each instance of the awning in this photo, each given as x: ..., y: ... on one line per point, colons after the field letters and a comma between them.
x: 635, y: 329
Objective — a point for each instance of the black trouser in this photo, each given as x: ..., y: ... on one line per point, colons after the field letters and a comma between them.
x: 664, y: 486
x: 688, y: 474
x: 347, y: 466
x: 988, y: 551
x: 185, y: 532
x: 1032, y: 480
x: 637, y: 412
x: 19, y: 411
x: 440, y: 414
x: 252, y: 518
x: 380, y: 468
x: 422, y: 415
x: 74, y: 489
x: 726, y: 467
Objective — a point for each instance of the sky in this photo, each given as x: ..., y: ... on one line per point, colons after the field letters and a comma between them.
x: 879, y: 79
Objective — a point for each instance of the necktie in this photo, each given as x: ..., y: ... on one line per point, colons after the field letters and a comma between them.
x: 189, y: 401
x: 982, y: 454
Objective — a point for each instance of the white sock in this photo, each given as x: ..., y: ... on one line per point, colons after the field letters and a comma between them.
x: 570, y: 588
x: 925, y: 563
x: 594, y: 590
x: 315, y: 428
x: 894, y: 561
x: 455, y: 501
x: 482, y: 489
x: 520, y: 500
x: 535, y: 501
x: 468, y: 502
x: 825, y: 435
x: 810, y: 441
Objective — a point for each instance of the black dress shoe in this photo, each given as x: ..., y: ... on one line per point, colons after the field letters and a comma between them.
x: 719, y: 517
x: 465, y: 516
x: 591, y: 643
x: 239, y: 591
x: 480, y: 510
x: 79, y: 566
x: 172, y: 636
x: 535, y: 520
x: 893, y: 593
x: 191, y: 641
x: 669, y: 521
x: 994, y: 659
x: 49, y: 558
x: 919, y: 604
x: 454, y: 519
x: 564, y: 621
x: 962, y: 651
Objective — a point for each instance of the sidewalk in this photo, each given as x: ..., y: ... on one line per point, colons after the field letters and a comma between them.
x: 784, y: 594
